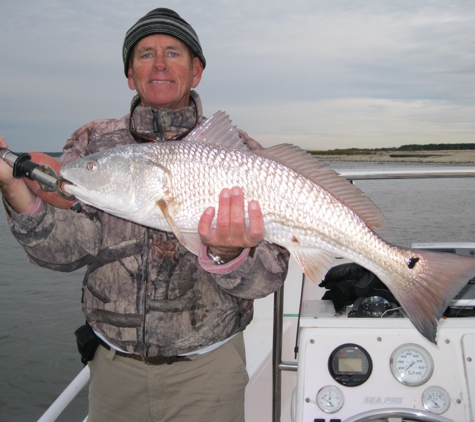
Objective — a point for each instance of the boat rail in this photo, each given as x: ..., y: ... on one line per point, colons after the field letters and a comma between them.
x: 278, y: 365
x: 454, y: 172
x: 67, y: 396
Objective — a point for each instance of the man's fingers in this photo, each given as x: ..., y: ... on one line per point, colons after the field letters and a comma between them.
x: 256, y: 229
x: 231, y: 230
x: 205, y: 228
x: 223, y: 220
x: 237, y: 217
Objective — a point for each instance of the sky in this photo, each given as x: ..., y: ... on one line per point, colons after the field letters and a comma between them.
x: 321, y: 74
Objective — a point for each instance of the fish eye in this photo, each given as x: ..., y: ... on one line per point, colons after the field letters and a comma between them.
x: 91, y: 166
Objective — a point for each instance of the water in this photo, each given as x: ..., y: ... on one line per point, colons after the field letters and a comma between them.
x: 40, y: 309
x: 427, y: 210
x: 39, y: 312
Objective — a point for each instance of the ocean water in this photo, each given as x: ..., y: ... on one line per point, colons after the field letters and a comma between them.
x: 39, y: 312
x: 426, y: 210
x: 40, y: 309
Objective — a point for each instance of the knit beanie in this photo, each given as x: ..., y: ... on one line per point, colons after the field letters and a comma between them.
x: 161, y: 21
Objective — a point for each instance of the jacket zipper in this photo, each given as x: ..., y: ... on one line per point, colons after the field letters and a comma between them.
x: 145, y: 277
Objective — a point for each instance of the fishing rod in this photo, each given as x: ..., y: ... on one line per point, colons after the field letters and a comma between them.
x: 42, y: 179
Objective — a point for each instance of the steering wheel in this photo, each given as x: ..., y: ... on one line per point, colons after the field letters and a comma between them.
x: 397, y: 415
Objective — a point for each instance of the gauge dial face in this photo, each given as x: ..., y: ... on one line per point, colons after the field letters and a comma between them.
x: 435, y: 399
x: 330, y: 399
x: 411, y: 364
x: 374, y: 306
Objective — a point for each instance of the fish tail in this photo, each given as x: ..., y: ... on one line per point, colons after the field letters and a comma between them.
x: 435, y: 278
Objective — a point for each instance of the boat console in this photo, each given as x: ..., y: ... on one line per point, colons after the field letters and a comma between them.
x: 368, y: 362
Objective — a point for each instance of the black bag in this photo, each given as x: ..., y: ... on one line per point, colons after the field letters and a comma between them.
x: 348, y: 282
x: 87, y: 342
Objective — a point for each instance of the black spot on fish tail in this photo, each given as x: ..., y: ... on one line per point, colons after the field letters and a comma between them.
x: 412, y: 263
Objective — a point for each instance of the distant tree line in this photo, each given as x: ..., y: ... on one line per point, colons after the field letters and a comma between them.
x: 411, y: 147
x: 436, y: 147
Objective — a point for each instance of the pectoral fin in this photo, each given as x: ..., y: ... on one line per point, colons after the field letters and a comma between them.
x: 193, y: 242
x: 314, y: 263
x: 190, y: 241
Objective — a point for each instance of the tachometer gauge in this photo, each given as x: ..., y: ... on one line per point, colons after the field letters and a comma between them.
x: 435, y: 399
x: 330, y: 399
x: 411, y: 364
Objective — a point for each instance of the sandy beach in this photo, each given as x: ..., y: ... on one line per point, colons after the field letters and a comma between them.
x: 445, y: 157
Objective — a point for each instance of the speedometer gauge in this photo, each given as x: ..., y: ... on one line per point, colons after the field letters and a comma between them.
x: 411, y: 364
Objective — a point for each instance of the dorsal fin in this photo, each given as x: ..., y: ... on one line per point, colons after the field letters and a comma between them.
x: 217, y: 130
x: 308, y: 166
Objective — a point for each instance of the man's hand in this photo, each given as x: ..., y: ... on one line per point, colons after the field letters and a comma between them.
x: 6, y: 173
x: 231, y: 235
x: 15, y: 191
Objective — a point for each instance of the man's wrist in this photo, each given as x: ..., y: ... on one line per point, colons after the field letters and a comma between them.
x: 18, y: 196
x: 221, y: 256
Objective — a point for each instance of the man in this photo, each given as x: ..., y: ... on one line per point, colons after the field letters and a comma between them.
x: 169, y: 323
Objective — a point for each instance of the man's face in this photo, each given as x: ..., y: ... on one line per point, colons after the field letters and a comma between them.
x: 163, y: 72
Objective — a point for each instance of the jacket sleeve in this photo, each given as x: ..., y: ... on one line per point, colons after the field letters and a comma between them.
x: 262, y: 273
x: 56, y: 239
x: 60, y: 239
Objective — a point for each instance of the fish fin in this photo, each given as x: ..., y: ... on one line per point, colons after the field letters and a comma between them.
x: 426, y: 296
x: 314, y: 263
x: 217, y: 130
x: 193, y: 242
x: 308, y: 166
x: 190, y: 241
x: 163, y: 205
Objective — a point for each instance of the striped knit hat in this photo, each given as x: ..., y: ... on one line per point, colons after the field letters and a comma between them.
x: 161, y: 21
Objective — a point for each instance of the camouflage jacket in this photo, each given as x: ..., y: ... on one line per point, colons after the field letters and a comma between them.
x: 143, y: 291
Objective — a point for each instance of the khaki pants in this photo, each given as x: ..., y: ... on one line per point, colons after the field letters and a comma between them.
x: 209, y: 388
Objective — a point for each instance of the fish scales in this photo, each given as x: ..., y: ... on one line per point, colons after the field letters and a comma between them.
x: 200, y: 173
x: 307, y: 209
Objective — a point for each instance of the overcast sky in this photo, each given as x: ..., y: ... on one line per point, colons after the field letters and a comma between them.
x: 320, y: 74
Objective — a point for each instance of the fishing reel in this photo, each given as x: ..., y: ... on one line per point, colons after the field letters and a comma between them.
x: 42, y: 179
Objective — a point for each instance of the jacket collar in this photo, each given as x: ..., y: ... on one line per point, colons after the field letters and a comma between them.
x: 149, y: 124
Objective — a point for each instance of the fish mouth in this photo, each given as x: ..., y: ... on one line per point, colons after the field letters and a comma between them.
x: 61, y: 188
x: 76, y: 190
x: 67, y: 185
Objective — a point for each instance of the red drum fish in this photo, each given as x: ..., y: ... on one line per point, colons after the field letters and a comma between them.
x: 309, y: 209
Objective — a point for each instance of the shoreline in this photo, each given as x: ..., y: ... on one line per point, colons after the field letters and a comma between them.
x: 441, y: 157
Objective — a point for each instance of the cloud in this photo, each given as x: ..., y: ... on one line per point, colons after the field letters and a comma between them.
x: 358, y: 122
x: 315, y: 73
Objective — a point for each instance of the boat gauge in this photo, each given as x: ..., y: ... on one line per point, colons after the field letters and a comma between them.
x: 350, y: 365
x: 435, y: 399
x: 330, y: 399
x: 411, y: 364
x: 372, y: 307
